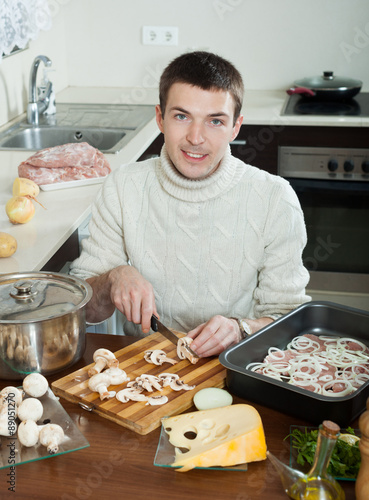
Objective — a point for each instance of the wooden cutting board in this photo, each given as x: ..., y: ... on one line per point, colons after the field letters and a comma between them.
x: 136, y: 415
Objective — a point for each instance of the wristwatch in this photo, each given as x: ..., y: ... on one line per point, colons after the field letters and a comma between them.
x: 244, y: 327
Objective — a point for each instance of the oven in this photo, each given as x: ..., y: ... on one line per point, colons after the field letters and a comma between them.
x: 332, y: 185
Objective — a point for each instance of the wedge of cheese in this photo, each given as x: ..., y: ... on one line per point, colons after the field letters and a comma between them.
x: 218, y: 437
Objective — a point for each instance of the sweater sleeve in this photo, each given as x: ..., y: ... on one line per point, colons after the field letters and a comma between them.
x: 282, y: 276
x: 104, y: 249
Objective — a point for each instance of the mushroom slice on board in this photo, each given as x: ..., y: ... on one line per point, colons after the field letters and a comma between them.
x: 179, y: 385
x: 168, y: 378
x: 103, y: 359
x: 149, y: 382
x: 157, y: 400
x: 158, y: 357
x: 129, y: 394
x: 183, y: 352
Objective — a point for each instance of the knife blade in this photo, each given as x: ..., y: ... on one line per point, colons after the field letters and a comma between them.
x: 157, y: 326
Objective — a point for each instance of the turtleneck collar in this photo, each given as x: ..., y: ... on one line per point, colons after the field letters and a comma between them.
x: 224, y: 178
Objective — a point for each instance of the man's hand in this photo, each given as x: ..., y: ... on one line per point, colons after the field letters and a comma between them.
x: 214, y: 336
x: 126, y: 289
x: 133, y: 296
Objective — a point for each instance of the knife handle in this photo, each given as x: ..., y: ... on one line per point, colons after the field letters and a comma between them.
x: 154, y: 325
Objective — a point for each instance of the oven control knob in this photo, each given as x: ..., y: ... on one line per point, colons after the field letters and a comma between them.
x: 348, y: 166
x: 332, y: 165
x: 365, y: 166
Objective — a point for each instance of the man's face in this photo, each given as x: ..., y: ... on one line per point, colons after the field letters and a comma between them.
x: 197, y: 127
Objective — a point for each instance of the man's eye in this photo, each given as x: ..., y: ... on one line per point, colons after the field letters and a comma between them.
x: 216, y: 121
x: 180, y: 117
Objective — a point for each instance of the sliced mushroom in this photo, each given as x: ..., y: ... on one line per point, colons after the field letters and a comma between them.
x: 103, y: 359
x: 149, y: 382
x: 51, y: 435
x: 158, y: 357
x: 117, y: 375
x: 136, y: 385
x: 130, y: 394
x: 183, y: 352
x: 157, y: 400
x: 30, y: 409
x: 35, y: 385
x: 167, y: 378
x: 100, y: 383
x: 179, y: 385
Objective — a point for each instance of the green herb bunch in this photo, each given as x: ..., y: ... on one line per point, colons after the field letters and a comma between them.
x: 345, y: 460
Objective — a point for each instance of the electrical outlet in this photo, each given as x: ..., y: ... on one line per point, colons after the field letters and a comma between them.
x: 160, y: 35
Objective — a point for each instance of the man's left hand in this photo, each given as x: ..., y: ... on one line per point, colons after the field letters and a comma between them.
x: 214, y: 336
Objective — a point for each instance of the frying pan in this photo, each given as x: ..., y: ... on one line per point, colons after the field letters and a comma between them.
x: 327, y: 87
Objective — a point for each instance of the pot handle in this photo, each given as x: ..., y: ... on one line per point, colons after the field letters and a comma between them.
x: 301, y: 90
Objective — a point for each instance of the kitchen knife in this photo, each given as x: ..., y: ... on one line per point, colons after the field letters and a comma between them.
x: 157, y: 326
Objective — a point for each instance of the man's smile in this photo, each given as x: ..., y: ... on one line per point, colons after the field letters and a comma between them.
x: 194, y: 156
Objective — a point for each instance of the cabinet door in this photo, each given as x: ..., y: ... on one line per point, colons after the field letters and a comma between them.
x: 257, y: 145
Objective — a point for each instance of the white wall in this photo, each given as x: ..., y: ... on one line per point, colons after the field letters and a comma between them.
x: 272, y: 42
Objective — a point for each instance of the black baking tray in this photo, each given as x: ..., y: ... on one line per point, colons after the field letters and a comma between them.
x: 318, y: 318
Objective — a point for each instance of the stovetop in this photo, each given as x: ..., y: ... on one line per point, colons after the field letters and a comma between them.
x: 298, y: 105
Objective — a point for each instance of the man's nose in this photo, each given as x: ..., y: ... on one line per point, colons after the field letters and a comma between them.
x: 195, y: 134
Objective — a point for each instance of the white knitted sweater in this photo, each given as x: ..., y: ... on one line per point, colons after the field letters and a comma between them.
x: 229, y: 244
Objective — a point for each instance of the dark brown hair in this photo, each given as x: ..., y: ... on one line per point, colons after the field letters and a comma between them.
x: 204, y: 70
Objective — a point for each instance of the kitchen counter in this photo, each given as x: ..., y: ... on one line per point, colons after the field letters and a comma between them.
x: 119, y: 463
x: 67, y: 209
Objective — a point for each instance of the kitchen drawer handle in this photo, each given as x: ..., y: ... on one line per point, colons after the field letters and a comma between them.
x: 238, y: 142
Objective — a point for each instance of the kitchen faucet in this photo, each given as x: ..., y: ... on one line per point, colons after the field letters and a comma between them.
x: 36, y: 107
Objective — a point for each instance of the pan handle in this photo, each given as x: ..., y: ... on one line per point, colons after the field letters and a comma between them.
x: 301, y: 90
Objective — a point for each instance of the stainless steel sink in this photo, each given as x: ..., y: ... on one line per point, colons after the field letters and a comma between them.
x: 105, y: 127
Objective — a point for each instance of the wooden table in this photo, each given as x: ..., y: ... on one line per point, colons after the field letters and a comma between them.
x: 118, y: 464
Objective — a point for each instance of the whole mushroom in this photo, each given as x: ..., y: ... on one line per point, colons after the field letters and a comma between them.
x: 117, y: 375
x: 28, y: 433
x: 100, y: 383
x: 103, y: 359
x: 35, y: 385
x: 51, y: 435
x: 12, y: 393
x: 30, y: 409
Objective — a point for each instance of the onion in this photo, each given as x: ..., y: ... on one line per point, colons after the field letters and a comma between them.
x: 8, y: 245
x: 212, y: 397
x: 20, y: 209
x: 25, y: 187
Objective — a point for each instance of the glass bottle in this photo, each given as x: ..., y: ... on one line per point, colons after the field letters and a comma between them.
x: 317, y: 484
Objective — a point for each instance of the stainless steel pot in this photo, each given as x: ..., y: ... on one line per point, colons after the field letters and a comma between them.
x: 327, y: 87
x: 42, y: 322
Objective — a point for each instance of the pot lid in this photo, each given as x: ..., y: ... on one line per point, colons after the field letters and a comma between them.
x: 329, y: 81
x: 36, y: 296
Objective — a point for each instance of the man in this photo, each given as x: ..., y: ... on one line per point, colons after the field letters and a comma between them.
x: 195, y: 237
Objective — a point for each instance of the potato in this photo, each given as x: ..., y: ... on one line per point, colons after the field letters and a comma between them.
x: 25, y: 187
x: 8, y: 245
